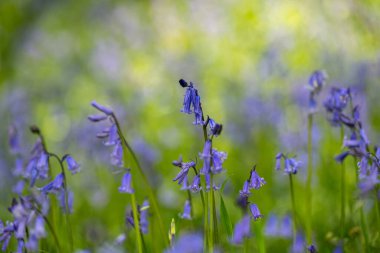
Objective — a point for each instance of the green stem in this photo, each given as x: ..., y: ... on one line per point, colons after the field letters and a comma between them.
x: 51, y: 230
x: 342, y: 191
x: 67, y: 209
x: 145, y: 179
x: 361, y: 212
x: 309, y: 179
x: 136, y: 221
x: 207, y: 236
x: 214, y: 215
x: 211, y: 226
x: 293, y: 206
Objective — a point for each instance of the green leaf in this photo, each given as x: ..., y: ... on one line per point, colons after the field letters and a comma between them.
x: 225, y: 217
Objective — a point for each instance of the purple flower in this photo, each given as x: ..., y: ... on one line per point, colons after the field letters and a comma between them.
x: 291, y: 166
x: 241, y: 231
x: 186, y: 211
x: 286, y: 227
x: 55, y: 185
x: 19, y: 167
x: 62, y: 200
x: 317, y: 80
x: 144, y: 224
x: 271, y: 226
x: 113, y: 136
x: 13, y: 140
x: 312, y: 249
x: 195, y: 185
x: 299, y: 244
x: 197, y: 108
x: 39, y: 227
x: 245, y: 191
x: 101, y: 108
x: 369, y: 182
x: 72, y: 165
x: 208, y: 183
x: 43, y: 165
x: 206, y: 157
x: 185, y: 167
x: 278, y: 161
x: 117, y: 155
x: 19, y: 187
x: 256, y: 181
x: 215, y: 128
x: 97, y: 118
x: 187, y: 100
x: 218, y: 158
x: 340, y: 158
x: 126, y: 183
x: 255, y: 211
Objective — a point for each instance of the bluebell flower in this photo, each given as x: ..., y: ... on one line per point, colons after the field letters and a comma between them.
x: 208, y: 183
x: 126, y: 182
x: 117, y: 155
x: 271, y: 226
x: 312, y: 249
x: 340, y: 158
x: 186, y: 211
x: 6, y: 232
x: 19, y: 167
x: 196, y: 100
x: 62, y: 200
x: 187, y: 100
x: 183, y: 83
x: 245, y: 191
x: 218, y: 158
x: 187, y: 243
x: 20, y: 245
x: 113, y: 136
x: 97, y: 118
x: 43, y: 165
x: 316, y: 81
x: 185, y: 184
x: 241, y: 231
x: 291, y: 166
x: 256, y: 182
x: 369, y: 182
x: 215, y: 128
x: 299, y: 244
x: 39, y: 227
x: 72, y: 165
x: 255, y: 211
x: 286, y: 229
x: 54, y: 186
x: 206, y: 157
x: 18, y: 188
x: 196, y: 184
x: 102, y: 108
x: 278, y: 161
x: 144, y: 224
x: 13, y: 140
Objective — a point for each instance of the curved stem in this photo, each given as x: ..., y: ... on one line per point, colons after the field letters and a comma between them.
x: 309, y: 179
x: 146, y: 182
x: 67, y: 209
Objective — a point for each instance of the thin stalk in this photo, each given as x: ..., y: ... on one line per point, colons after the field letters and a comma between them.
x: 211, y: 227
x: 293, y: 206
x: 207, y: 239
x: 51, y: 230
x: 343, y: 191
x: 145, y: 179
x: 137, y: 223
x: 213, y: 211
x: 361, y: 212
x: 67, y: 209
x: 135, y: 212
x: 309, y: 179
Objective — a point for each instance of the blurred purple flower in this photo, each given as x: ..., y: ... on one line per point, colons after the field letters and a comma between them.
x: 117, y: 155
x: 144, y: 224
x: 62, y: 200
x: 245, y: 191
x: 271, y: 227
x: 241, y: 231
x: 312, y: 249
x: 206, y: 157
x: 299, y: 244
x: 13, y: 140
x: 218, y: 158
x: 54, y: 186
x: 196, y: 184
x: 101, y: 108
x: 72, y: 165
x: 186, y: 211
x: 286, y: 227
x: 126, y: 182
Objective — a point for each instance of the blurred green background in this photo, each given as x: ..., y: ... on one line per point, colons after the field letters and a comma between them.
x: 250, y: 61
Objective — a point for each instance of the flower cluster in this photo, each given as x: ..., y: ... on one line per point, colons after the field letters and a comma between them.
x: 110, y: 134
x: 142, y: 217
x: 242, y: 229
x: 291, y: 165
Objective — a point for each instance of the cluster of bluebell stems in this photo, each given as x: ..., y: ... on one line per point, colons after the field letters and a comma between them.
x: 31, y: 207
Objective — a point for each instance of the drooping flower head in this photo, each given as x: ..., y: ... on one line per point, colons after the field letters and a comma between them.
x: 255, y: 211
x: 126, y: 183
x: 291, y: 165
x: 186, y: 211
x: 316, y: 81
x: 241, y: 231
x: 192, y: 102
x: 72, y: 165
x: 256, y: 182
